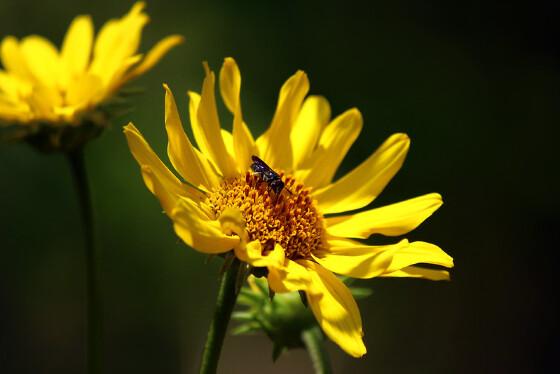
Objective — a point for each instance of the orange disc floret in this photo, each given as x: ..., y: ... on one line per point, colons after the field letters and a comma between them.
x: 289, y: 219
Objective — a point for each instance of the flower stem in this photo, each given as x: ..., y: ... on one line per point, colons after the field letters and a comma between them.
x: 225, y: 302
x: 315, y: 345
x: 93, y: 311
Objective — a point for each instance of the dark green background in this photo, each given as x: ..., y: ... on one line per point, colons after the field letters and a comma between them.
x: 474, y: 85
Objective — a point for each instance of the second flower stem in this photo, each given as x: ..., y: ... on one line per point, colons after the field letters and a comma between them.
x: 225, y: 302
x: 315, y: 344
x: 93, y: 318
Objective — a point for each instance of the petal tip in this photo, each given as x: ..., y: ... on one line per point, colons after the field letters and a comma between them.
x: 82, y: 17
x: 207, y: 70
x: 192, y: 95
x: 166, y: 88
x: 403, y: 137
x: 9, y: 39
x: 129, y: 127
x: 399, y: 139
x: 138, y: 7
x: 356, y: 112
x: 177, y: 39
x: 358, y: 351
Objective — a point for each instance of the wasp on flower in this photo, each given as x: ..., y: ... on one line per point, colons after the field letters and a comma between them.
x: 217, y: 204
x: 265, y: 172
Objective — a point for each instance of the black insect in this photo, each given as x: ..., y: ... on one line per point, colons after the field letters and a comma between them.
x: 267, y: 174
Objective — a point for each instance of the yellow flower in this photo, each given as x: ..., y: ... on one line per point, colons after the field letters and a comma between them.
x: 219, y: 205
x: 44, y: 85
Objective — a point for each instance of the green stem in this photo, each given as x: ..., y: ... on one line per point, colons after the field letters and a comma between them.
x: 225, y: 302
x: 315, y: 345
x: 93, y: 309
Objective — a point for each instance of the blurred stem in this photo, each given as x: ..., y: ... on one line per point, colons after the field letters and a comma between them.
x: 225, y: 302
x: 315, y: 345
x: 93, y: 311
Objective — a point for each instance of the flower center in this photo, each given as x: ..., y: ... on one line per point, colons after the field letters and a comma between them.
x: 289, y: 219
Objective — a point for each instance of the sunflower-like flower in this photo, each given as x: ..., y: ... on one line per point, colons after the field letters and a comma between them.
x: 42, y: 86
x: 219, y: 205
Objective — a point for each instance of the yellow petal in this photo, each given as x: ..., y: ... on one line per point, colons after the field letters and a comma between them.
x: 194, y: 102
x: 12, y: 58
x: 10, y: 113
x: 289, y: 277
x: 363, y: 261
x: 168, y: 198
x: 204, y: 235
x: 206, y: 129
x: 76, y: 48
x: 120, y: 38
x: 232, y: 221
x: 117, y: 41
x: 418, y: 272
x: 136, y: 10
x: 11, y: 87
x: 362, y: 185
x: 419, y: 253
x: 85, y: 90
x: 243, y: 142
x: 192, y: 166
x: 334, y: 143
x: 275, y: 147
x: 230, y: 83
x: 360, y: 261
x: 336, y: 244
x: 253, y: 254
x: 43, y: 100
x: 228, y: 142
x: 154, y: 55
x: 42, y: 59
x: 107, y: 40
x: 313, y: 117
x: 335, y: 309
x: 230, y: 87
x: 392, y: 220
x: 115, y: 80
x: 154, y: 171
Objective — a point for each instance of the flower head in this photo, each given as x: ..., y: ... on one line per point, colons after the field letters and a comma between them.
x: 221, y: 205
x: 44, y: 86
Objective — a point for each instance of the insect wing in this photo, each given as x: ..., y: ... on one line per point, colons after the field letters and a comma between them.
x: 259, y: 166
x: 267, y: 174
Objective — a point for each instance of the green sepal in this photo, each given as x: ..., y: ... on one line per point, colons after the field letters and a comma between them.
x: 242, y: 316
x: 246, y: 328
x: 277, y: 350
x: 361, y: 292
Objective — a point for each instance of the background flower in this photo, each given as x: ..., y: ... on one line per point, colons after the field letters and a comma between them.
x: 473, y: 85
x: 41, y: 85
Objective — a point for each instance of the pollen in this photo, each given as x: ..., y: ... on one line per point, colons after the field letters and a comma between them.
x: 289, y: 219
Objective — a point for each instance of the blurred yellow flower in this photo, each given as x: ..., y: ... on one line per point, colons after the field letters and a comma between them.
x: 41, y: 84
x: 220, y: 205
